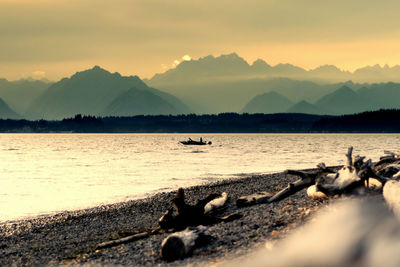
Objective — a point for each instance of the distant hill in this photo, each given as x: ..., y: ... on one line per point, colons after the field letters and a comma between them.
x: 21, y: 93
x: 6, y: 112
x: 344, y: 101
x: 306, y: 108
x: 90, y: 92
x: 382, y: 95
x: 139, y: 102
x: 268, y: 103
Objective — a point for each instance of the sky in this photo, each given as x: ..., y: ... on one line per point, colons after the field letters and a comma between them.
x: 55, y: 38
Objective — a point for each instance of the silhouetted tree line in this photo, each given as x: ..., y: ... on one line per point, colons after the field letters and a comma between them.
x: 373, y: 122
x: 382, y: 121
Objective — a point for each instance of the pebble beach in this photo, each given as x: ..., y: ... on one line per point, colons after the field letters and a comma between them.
x: 71, y: 237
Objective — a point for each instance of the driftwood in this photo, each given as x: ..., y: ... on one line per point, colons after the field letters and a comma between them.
x: 188, y: 215
x: 257, y: 198
x: 124, y: 240
x: 314, y: 193
x: 216, y: 204
x: 191, y: 215
x: 180, y: 244
x: 391, y: 193
x: 352, y: 178
x: 307, y: 179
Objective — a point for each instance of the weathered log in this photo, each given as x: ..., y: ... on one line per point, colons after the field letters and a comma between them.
x: 257, y: 198
x: 389, y: 170
x: 391, y: 194
x: 345, y: 181
x: 374, y: 184
x: 216, y: 203
x: 391, y: 154
x: 383, y: 161
x: 314, y: 193
x: 180, y: 244
x: 124, y: 240
x: 367, y: 171
x: 292, y: 188
x: 307, y: 179
x: 349, y: 179
x: 188, y: 215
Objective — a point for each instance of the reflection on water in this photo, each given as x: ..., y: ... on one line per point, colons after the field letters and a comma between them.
x: 42, y: 173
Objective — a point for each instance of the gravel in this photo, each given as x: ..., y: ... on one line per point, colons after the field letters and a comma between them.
x: 71, y: 237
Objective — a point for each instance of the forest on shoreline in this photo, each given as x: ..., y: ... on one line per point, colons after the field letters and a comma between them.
x: 381, y: 121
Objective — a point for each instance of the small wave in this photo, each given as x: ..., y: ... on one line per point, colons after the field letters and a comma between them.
x: 12, y: 149
x: 198, y: 151
x: 209, y: 179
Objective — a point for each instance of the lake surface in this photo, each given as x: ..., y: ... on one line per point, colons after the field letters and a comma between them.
x: 46, y: 173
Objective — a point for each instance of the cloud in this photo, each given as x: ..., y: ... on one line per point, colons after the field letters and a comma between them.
x: 42, y: 33
x: 38, y: 74
x: 176, y: 63
x: 186, y: 58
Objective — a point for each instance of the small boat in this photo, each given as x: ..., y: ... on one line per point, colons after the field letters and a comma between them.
x: 195, y: 143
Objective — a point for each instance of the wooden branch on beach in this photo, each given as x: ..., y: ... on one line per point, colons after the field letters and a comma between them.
x: 124, y: 240
x: 193, y: 215
x: 391, y: 153
x: 257, y: 198
x: 306, y: 180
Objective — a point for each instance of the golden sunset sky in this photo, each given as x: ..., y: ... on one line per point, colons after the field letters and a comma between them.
x: 55, y: 38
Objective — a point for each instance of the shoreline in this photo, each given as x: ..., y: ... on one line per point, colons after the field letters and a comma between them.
x: 71, y: 236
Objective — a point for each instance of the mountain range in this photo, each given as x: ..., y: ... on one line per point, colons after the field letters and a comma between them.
x: 233, y: 66
x: 101, y: 93
x: 209, y: 85
x: 344, y: 100
x: 204, y: 82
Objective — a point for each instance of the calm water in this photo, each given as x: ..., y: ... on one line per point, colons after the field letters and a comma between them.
x: 44, y: 173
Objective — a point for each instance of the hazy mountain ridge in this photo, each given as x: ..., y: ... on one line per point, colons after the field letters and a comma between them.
x: 345, y: 100
x: 305, y: 108
x: 271, y: 102
x: 6, y: 112
x: 233, y: 66
x: 209, y: 85
x: 238, y: 83
x: 19, y: 94
x: 90, y: 92
x: 139, y: 102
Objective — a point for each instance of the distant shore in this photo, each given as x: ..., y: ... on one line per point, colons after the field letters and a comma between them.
x: 71, y: 237
x: 381, y: 121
